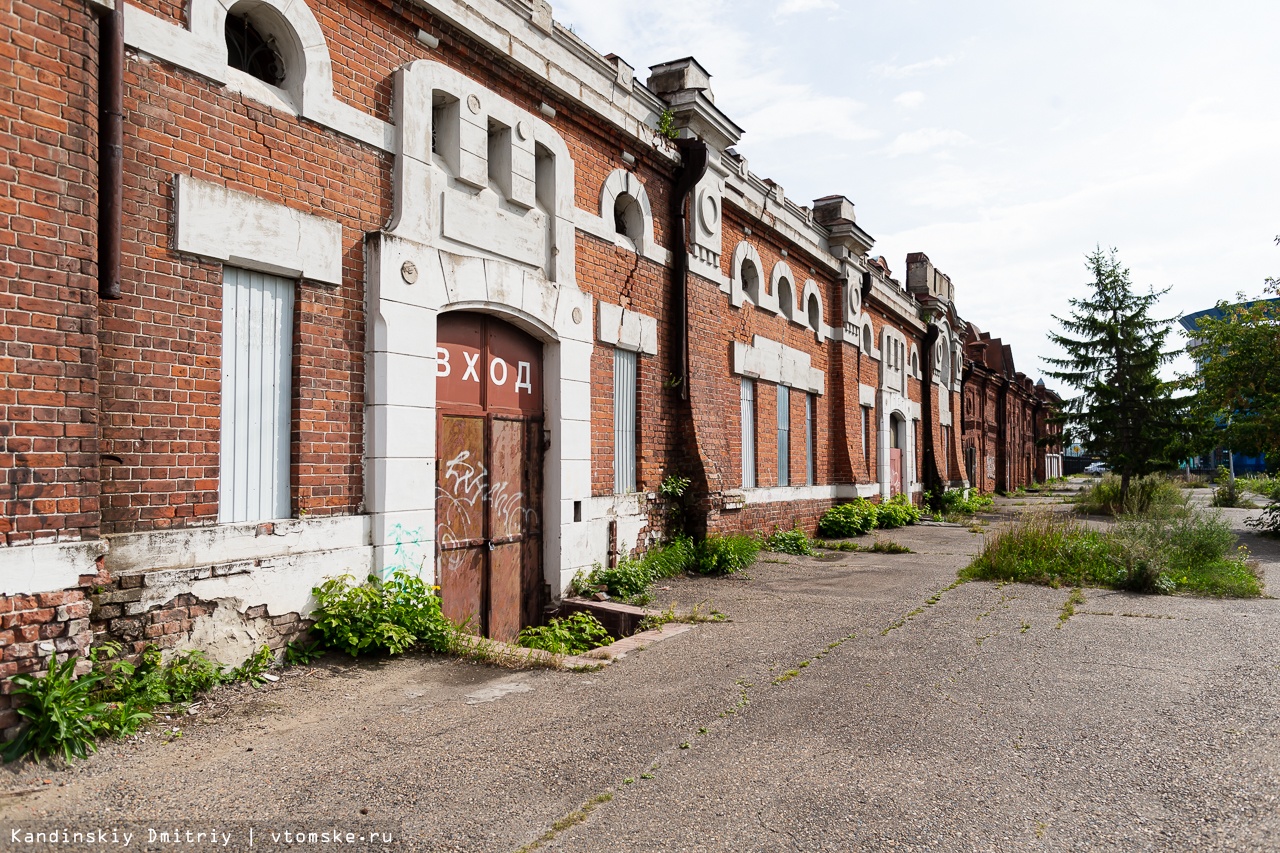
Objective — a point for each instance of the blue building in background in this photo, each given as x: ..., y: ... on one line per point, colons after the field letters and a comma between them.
x: 1223, y: 456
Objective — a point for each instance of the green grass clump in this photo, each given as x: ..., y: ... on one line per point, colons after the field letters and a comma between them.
x: 1184, y: 550
x: 725, y: 555
x: 1261, y: 484
x: 1152, y: 493
x: 789, y: 542
x: 571, y: 635
x: 898, y: 511
x: 849, y: 519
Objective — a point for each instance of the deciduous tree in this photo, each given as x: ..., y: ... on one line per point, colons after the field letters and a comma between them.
x: 1237, y: 355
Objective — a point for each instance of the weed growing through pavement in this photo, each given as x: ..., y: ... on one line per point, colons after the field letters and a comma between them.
x: 930, y: 602
x: 1069, y: 606
x: 569, y: 821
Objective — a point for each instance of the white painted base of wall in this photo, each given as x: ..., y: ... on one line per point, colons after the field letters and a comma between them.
x: 30, y: 569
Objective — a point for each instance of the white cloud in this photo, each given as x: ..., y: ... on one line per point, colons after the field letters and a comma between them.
x: 910, y: 100
x: 924, y: 140
x: 896, y: 71
x: 791, y: 7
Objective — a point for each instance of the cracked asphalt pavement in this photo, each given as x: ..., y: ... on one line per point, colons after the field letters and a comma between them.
x: 838, y: 710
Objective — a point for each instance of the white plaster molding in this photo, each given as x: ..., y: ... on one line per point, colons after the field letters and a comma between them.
x: 619, y: 183
x: 738, y: 288
x: 556, y: 58
x: 821, y: 331
x: 781, y: 270
x: 775, y: 362
x: 191, y: 547
x: 866, y: 395
x: 791, y: 494
x: 246, y: 231
x: 626, y: 329
x: 308, y: 86
x: 597, y: 226
x: 47, y: 567
x: 445, y: 199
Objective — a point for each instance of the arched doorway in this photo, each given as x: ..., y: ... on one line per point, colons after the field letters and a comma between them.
x: 489, y: 474
x: 895, y: 455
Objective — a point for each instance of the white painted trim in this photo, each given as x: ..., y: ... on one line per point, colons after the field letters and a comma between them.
x: 557, y: 58
x: 738, y: 294
x: 191, y: 547
x: 626, y: 329
x: 309, y: 85
x: 775, y: 362
x: 244, y: 230
x: 31, y: 569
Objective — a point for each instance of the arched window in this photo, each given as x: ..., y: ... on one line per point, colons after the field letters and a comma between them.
x: 751, y: 280
x: 815, y: 313
x: 866, y: 340
x: 252, y: 52
x: 628, y: 220
x: 786, y: 298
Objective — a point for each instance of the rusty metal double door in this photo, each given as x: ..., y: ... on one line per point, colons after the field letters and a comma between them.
x: 489, y: 535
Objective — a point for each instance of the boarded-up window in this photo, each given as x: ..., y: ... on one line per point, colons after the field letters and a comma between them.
x: 257, y: 357
x: 624, y: 421
x: 748, y: 434
x: 784, y: 435
x: 809, y: 464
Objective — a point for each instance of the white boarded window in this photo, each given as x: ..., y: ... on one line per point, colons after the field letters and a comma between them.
x: 810, y: 472
x: 748, y: 434
x: 257, y: 368
x: 624, y: 421
x: 784, y: 435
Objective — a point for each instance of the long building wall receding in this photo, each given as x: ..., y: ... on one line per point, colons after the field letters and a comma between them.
x: 482, y: 304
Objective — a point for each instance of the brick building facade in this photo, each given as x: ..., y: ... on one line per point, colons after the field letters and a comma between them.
x: 411, y: 286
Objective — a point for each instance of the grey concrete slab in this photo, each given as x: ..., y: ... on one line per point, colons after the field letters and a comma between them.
x: 837, y: 710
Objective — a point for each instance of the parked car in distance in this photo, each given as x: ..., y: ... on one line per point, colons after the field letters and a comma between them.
x: 1096, y: 468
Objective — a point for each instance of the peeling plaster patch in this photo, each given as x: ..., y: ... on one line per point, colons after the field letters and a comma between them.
x: 497, y: 691
x: 224, y: 635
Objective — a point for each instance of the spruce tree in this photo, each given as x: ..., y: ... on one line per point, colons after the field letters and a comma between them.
x: 1114, y: 350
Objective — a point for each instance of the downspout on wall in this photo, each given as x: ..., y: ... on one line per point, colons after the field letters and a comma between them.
x: 110, y: 149
x: 931, y: 476
x: 694, y: 158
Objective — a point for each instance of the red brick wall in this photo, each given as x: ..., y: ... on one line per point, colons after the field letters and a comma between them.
x: 48, y: 261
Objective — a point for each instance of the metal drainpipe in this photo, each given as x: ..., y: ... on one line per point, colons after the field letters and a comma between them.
x: 931, y: 456
x: 693, y: 153
x: 110, y: 149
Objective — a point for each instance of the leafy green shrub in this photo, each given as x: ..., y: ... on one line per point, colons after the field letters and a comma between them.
x: 571, y: 635
x: 953, y: 502
x: 631, y: 578
x: 850, y: 519
x: 1152, y: 493
x: 61, y: 713
x: 789, y: 542
x: 65, y: 714
x: 1267, y: 524
x: 1231, y: 492
x: 380, y: 616
x: 724, y: 555
x: 898, y: 511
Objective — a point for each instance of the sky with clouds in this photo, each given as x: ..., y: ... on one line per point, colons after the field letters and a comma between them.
x: 1003, y: 138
